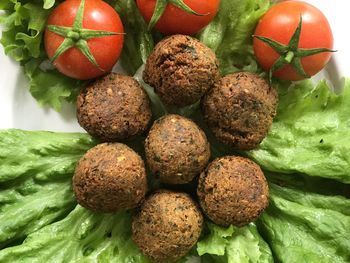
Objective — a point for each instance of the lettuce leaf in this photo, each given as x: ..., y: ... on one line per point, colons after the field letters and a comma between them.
x: 230, y: 34
x: 138, y: 43
x: 302, y: 226
x: 24, y: 23
x: 80, y: 237
x: 234, y: 244
x: 35, y: 174
x: 40, y: 221
x: 310, y: 133
x: 50, y: 87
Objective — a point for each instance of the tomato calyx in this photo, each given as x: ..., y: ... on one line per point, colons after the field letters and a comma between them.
x: 161, y: 6
x: 77, y: 36
x: 291, y: 53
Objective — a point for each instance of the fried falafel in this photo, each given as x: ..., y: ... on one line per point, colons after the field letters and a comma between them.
x: 167, y: 226
x: 233, y: 190
x: 181, y: 69
x: 110, y: 177
x: 176, y: 149
x: 240, y: 110
x: 114, y: 108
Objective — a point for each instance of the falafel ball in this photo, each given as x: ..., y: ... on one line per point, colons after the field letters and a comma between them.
x: 181, y: 69
x: 176, y: 149
x: 114, y: 108
x: 167, y: 226
x: 110, y: 177
x: 233, y: 190
x: 240, y: 110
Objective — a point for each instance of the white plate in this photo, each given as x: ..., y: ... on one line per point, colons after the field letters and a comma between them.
x: 19, y: 110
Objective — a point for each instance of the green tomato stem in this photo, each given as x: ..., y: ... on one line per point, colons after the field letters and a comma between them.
x: 78, y: 22
x: 73, y: 35
x: 289, y: 57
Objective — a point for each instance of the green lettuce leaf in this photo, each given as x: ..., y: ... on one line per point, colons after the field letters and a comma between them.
x: 48, y: 4
x: 80, y: 237
x: 234, y: 244
x: 35, y: 175
x: 42, y: 155
x: 230, y: 34
x: 24, y: 23
x: 138, y: 40
x: 215, y: 243
x: 50, y: 87
x: 310, y: 133
x: 306, y: 220
x: 302, y: 226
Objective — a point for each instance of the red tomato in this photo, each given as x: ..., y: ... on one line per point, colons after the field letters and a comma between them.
x: 176, y: 21
x: 106, y: 50
x: 279, y: 24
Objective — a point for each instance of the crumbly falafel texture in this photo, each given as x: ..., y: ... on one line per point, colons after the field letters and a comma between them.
x: 110, y: 177
x: 176, y: 149
x: 240, y: 109
x: 167, y: 226
x: 114, y: 108
x: 181, y: 69
x: 233, y: 190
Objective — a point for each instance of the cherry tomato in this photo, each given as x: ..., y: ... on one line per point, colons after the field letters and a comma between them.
x: 177, y: 21
x: 106, y: 50
x: 279, y: 24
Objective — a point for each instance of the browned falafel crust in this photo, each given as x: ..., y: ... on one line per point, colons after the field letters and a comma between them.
x: 176, y: 149
x: 110, y: 177
x: 181, y: 69
x: 114, y: 108
x: 167, y: 226
x: 240, y: 110
x: 233, y: 190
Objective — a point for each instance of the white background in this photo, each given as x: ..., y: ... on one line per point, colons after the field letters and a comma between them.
x: 19, y: 110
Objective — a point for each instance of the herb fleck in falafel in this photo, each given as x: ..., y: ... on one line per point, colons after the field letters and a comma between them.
x: 109, y: 178
x: 181, y: 69
x: 167, y: 226
x: 114, y: 108
x: 176, y: 149
x: 240, y: 109
x: 233, y: 190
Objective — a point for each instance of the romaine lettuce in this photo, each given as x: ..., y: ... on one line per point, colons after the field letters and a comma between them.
x: 310, y: 134
x: 232, y: 244
x: 35, y: 173
x: 305, y: 220
x: 138, y: 43
x: 302, y: 226
x: 230, y: 34
x: 82, y: 236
